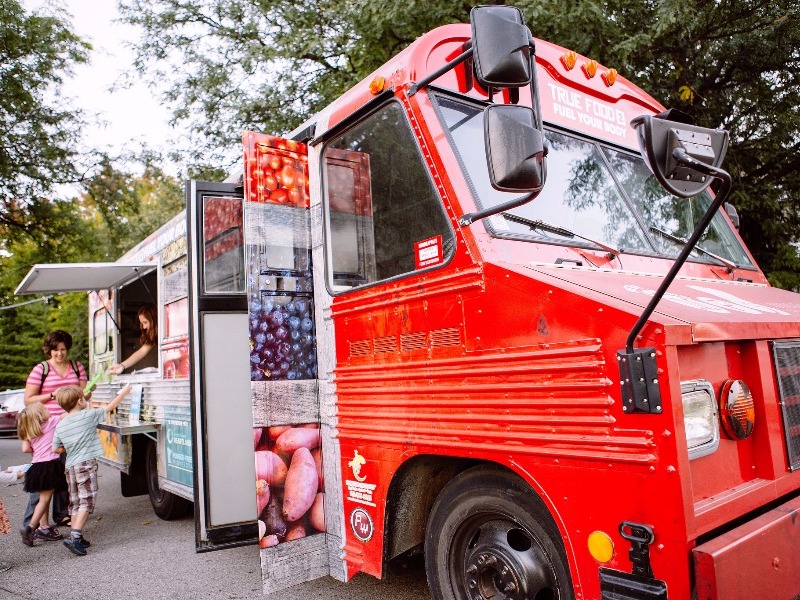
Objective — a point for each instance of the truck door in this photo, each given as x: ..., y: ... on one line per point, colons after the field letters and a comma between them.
x: 288, y: 434
x: 225, y: 503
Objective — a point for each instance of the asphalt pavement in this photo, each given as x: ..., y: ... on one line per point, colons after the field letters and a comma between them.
x: 134, y: 554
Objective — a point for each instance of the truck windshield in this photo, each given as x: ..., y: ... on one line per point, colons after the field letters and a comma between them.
x: 595, y: 191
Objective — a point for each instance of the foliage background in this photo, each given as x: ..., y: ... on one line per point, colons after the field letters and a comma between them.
x: 227, y: 65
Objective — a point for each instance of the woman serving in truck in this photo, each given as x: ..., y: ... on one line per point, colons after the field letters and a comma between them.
x: 148, y: 325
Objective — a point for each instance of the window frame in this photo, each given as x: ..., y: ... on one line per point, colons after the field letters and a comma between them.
x: 341, y: 129
x: 602, y: 146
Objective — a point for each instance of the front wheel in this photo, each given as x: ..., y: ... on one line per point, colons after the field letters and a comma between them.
x: 166, y: 505
x: 491, y: 537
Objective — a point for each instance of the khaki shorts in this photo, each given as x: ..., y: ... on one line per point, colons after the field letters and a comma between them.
x: 82, y: 481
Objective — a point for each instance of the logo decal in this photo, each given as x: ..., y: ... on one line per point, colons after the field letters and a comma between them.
x: 356, y: 464
x: 358, y: 490
x: 362, y: 525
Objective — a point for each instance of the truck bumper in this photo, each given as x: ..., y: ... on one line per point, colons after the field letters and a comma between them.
x: 760, y: 559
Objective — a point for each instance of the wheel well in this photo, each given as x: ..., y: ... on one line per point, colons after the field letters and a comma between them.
x: 411, y: 495
x: 414, y: 489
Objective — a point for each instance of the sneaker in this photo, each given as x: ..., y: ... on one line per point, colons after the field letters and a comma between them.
x: 48, y: 534
x: 75, y: 546
x: 27, y: 536
x: 84, y: 542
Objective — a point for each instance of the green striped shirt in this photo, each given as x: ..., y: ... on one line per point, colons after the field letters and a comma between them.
x: 77, y: 433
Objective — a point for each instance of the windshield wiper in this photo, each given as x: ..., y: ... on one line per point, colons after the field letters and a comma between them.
x: 534, y: 225
x: 678, y: 240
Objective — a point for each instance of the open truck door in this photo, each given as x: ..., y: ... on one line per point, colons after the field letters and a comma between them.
x: 297, y: 543
x: 225, y: 507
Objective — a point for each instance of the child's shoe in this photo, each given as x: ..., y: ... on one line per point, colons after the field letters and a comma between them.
x: 48, y: 534
x: 75, y: 546
x: 27, y: 536
x: 84, y: 542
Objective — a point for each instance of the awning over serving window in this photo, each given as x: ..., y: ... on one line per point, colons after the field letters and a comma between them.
x: 76, y: 277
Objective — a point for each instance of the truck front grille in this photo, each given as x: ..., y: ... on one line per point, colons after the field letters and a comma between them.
x: 787, y: 372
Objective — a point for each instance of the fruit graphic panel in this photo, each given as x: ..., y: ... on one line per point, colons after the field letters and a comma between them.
x: 289, y: 483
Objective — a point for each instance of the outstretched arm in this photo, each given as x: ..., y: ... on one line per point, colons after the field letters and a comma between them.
x: 116, y: 401
x: 131, y: 360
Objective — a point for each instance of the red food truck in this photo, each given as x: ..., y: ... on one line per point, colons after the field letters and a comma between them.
x: 485, y: 307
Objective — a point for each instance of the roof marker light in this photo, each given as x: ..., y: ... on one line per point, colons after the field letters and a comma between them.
x: 568, y: 59
x: 376, y: 85
x: 609, y: 77
x: 589, y: 68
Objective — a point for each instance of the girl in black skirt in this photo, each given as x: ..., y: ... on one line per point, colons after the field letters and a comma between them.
x: 35, y: 427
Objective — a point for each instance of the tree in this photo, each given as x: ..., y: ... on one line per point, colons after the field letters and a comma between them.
x: 117, y: 210
x: 236, y: 64
x: 733, y: 64
x: 38, y: 132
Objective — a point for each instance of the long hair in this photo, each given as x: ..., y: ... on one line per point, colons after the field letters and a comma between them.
x: 30, y: 419
x: 150, y: 335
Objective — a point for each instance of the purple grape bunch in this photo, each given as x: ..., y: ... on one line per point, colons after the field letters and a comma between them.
x: 281, y: 339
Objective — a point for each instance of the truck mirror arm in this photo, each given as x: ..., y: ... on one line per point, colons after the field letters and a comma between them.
x: 681, y: 156
x: 470, y: 218
x: 430, y: 77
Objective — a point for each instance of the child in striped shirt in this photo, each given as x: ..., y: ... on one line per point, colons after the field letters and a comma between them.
x: 76, y: 434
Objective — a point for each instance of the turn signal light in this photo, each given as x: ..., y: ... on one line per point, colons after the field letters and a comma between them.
x: 600, y: 546
x: 736, y: 410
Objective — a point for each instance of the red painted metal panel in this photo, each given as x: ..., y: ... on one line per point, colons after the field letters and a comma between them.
x: 759, y: 559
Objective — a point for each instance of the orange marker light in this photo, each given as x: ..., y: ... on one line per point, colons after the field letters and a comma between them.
x: 589, y: 68
x: 600, y: 546
x: 609, y: 77
x: 569, y: 59
x: 376, y: 85
x: 736, y: 409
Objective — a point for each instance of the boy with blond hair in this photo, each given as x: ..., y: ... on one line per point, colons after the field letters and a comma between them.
x: 76, y: 434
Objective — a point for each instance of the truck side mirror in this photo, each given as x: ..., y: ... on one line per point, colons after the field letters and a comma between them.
x: 501, y: 47
x: 665, y: 137
x: 515, y: 148
x: 733, y: 214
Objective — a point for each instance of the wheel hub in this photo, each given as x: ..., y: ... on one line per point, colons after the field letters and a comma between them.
x: 491, y: 576
x: 504, y: 563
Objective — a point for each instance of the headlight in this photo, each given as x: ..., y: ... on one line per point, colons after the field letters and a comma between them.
x: 700, y: 417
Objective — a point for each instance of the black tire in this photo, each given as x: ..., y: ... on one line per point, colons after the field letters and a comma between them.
x: 166, y: 505
x: 491, y: 537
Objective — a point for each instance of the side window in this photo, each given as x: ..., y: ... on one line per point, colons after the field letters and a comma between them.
x: 384, y: 215
x: 100, y: 339
x: 223, y: 242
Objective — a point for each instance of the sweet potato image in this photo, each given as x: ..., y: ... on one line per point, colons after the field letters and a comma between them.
x: 270, y: 467
x: 262, y: 529
x: 301, y: 437
x: 272, y: 517
x: 317, y: 514
x: 301, y: 484
x: 296, y: 531
x: 268, y: 541
x: 262, y: 494
x: 317, y: 455
x: 275, y: 431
